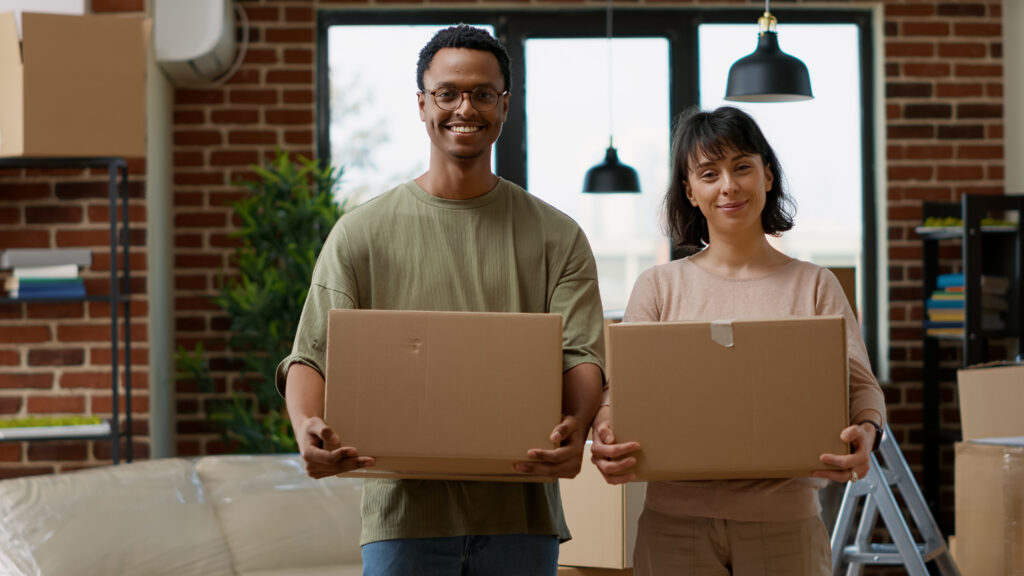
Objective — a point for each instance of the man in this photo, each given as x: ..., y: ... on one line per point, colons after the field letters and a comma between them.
x: 457, y: 238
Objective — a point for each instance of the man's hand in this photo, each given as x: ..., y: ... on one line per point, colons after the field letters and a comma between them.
x: 854, y: 466
x: 562, y: 461
x: 612, y: 460
x: 322, y: 451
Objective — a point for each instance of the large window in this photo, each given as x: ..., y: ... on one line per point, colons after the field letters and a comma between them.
x: 662, y: 61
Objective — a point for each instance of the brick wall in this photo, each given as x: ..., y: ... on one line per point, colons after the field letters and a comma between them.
x: 944, y: 104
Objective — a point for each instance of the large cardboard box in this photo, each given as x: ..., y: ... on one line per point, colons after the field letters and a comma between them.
x: 444, y: 395
x: 989, y: 471
x: 731, y: 399
x: 75, y: 86
x: 601, y: 517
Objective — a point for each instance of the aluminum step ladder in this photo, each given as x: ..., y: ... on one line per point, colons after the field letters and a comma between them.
x: 877, y: 492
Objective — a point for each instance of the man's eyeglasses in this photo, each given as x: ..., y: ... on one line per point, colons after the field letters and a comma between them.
x: 482, y: 98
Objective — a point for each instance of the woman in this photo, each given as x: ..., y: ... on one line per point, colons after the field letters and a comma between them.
x: 726, y: 195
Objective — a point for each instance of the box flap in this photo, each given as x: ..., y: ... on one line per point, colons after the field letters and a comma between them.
x: 11, y: 88
x: 701, y: 396
x: 990, y: 401
x: 407, y: 387
x: 98, y: 65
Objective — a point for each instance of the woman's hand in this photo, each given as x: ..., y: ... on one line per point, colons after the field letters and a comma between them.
x: 613, y: 460
x: 854, y: 466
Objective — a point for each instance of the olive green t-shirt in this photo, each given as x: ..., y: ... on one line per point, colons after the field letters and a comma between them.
x: 504, y: 251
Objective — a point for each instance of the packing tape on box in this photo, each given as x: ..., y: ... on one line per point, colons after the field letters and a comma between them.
x: 721, y: 332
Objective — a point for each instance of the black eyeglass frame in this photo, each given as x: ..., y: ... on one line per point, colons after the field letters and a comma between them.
x: 462, y: 97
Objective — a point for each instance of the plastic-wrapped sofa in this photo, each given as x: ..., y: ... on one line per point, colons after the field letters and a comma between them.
x: 212, y: 516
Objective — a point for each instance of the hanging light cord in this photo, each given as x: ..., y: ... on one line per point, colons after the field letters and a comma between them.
x: 608, y: 37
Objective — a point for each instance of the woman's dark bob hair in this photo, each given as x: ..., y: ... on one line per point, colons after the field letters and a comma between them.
x: 700, y: 132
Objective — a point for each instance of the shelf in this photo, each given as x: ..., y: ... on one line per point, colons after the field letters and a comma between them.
x: 96, y: 298
x: 943, y: 232
x: 101, y: 431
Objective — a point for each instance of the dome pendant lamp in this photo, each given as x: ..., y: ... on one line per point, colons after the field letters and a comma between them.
x: 768, y: 74
x: 611, y: 176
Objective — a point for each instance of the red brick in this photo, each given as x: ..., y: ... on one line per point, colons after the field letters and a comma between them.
x: 76, y: 238
x: 926, y: 69
x: 188, y: 240
x: 56, y: 357
x: 994, y: 90
x: 235, y: 117
x: 19, y: 191
x: 213, y: 261
x: 234, y: 158
x: 199, y: 97
x: 977, y: 29
x: 960, y: 172
x: 961, y: 9
x: 255, y: 56
x: 913, y: 49
x: 298, y: 96
x: 907, y: 132
x: 979, y: 111
x: 298, y: 56
x: 58, y: 451
x: 290, y: 35
x: 105, y: 404
x: 289, y: 117
x: 53, y: 309
x: 96, y: 380
x: 56, y: 404
x: 199, y: 178
x: 10, y: 216
x: 25, y: 335
x: 980, y: 152
x: 908, y: 90
x: 118, y: 5
x: 904, y: 213
x: 961, y: 132
x: 298, y: 14
x: 200, y: 220
x: 83, y: 333
x: 188, y: 159
x: 246, y: 76
x: 924, y: 28
x: 139, y: 309
x: 189, y: 116
x: 40, y: 380
x: 137, y: 261
x: 962, y: 50
x: 224, y: 241
x: 303, y: 77
x: 994, y: 131
x: 53, y: 214
x: 894, y: 10
x: 9, y: 451
x: 247, y: 96
x: 979, y: 70
x: 958, y: 89
x: 9, y: 358
x: 262, y: 13
x: 191, y: 282
x: 995, y: 173
x: 100, y: 213
x: 24, y: 239
x: 925, y: 152
x: 196, y: 324
x: 197, y: 138
x: 252, y: 137
x: 298, y: 137
x: 910, y: 173
x: 95, y: 190
x: 195, y: 304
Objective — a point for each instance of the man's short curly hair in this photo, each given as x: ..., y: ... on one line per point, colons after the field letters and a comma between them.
x: 464, y: 36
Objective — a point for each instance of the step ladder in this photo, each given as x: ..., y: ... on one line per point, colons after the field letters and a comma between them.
x: 877, y: 492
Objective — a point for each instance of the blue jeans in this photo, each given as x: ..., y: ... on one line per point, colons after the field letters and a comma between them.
x: 501, y: 555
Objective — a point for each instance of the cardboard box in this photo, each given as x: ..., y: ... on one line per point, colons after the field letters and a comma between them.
x: 444, y: 395
x: 602, y: 518
x: 989, y: 508
x: 989, y: 471
x: 733, y: 399
x: 74, y: 87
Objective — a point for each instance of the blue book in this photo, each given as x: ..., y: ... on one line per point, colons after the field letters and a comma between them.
x: 39, y: 292
x: 948, y: 280
x: 932, y: 324
x: 933, y: 303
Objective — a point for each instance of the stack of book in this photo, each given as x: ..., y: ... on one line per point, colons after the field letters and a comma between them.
x: 45, y: 274
x: 945, y: 307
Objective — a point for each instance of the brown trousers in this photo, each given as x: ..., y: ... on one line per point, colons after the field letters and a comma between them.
x: 690, y: 546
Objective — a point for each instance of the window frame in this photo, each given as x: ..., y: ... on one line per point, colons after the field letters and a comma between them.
x: 677, y: 24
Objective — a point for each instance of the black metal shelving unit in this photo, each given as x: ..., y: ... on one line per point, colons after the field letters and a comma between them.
x: 119, y: 293
x: 985, y: 250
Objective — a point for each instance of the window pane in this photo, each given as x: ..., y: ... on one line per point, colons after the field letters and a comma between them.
x: 567, y: 131
x: 376, y: 134
x: 818, y: 141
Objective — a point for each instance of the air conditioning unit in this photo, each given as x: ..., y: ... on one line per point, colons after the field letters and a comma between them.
x: 194, y: 40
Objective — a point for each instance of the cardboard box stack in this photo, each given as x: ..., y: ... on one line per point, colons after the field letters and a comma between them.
x: 444, y: 395
x: 989, y: 471
x: 698, y: 396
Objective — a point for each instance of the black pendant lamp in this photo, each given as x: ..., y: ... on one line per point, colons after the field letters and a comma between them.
x: 768, y: 74
x: 611, y: 176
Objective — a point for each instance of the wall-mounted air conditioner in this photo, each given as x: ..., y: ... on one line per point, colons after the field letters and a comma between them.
x: 194, y: 40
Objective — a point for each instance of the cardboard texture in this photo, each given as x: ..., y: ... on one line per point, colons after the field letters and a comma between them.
x: 602, y: 518
x: 76, y: 86
x: 736, y: 399
x: 444, y: 395
x: 991, y: 398
x: 989, y: 508
x: 989, y: 471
